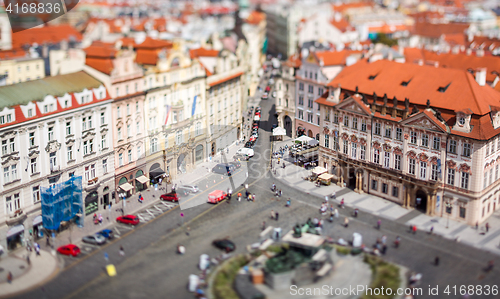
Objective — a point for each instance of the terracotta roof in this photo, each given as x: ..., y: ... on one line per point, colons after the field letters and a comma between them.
x: 342, y: 24
x: 225, y: 79
x: 330, y: 58
x: 456, y: 39
x: 386, y: 28
x: 12, y: 54
x: 445, y: 88
x: 202, y: 52
x: 127, y: 41
x: 436, y: 30
x: 255, y: 17
x: 294, y: 61
x: 100, y: 49
x: 150, y: 43
x: 47, y: 34
x: 457, y: 61
x: 342, y: 7
x: 484, y: 42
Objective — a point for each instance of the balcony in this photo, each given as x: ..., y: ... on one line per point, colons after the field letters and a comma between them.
x: 15, y: 218
x: 92, y: 181
x: 54, y: 169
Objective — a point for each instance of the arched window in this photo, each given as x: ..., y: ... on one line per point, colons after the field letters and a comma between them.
x: 122, y: 181
x: 199, y: 153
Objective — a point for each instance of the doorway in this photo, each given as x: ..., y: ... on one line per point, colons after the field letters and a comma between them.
x: 421, y: 201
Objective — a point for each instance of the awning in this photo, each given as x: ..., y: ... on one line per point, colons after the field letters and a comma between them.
x: 325, y: 176
x: 142, y: 179
x: 313, y: 142
x: 15, y: 230
x: 278, y: 131
x: 319, y: 170
x: 304, y: 138
x: 126, y: 187
x: 38, y: 220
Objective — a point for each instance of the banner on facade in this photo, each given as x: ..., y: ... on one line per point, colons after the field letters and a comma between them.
x: 62, y: 202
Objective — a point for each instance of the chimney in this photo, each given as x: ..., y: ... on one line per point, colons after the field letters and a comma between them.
x: 374, y: 105
x: 394, y: 106
x: 468, y: 52
x: 481, y: 76
x: 407, y: 108
x: 384, y: 107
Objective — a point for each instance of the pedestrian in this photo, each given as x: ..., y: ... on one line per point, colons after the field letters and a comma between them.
x: 28, y: 259
x: 280, y: 193
x: 239, y: 196
x: 346, y: 222
x: 37, y: 249
x: 414, y: 229
x: 284, y: 165
x: 436, y: 261
x: 490, y: 266
x: 487, y: 226
x: 288, y: 203
x: 356, y: 211
x: 342, y: 203
x: 277, y: 216
x: 379, y: 223
x: 336, y: 213
x: 273, y: 214
x: 106, y: 257
x: 9, y: 277
x: 334, y: 194
x: 384, y: 239
x: 263, y: 225
x: 100, y: 219
x: 384, y: 249
x: 181, y: 249
x: 431, y: 230
x: 477, y: 225
x: 253, y: 197
x: 247, y: 193
x: 326, y: 199
x: 47, y: 241
x: 396, y: 242
x: 122, y: 252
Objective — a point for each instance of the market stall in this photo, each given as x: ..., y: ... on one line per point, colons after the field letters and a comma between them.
x: 325, y: 178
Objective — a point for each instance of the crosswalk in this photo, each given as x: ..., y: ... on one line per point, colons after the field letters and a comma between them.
x: 154, y: 211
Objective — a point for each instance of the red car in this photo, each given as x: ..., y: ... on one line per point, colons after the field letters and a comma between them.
x: 257, y: 113
x: 128, y: 219
x: 70, y: 249
x: 252, y: 138
x: 172, y: 196
x: 268, y: 88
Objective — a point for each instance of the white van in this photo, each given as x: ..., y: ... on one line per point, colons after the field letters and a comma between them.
x: 245, y: 152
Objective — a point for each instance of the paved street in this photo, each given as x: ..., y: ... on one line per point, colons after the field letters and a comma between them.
x: 152, y: 269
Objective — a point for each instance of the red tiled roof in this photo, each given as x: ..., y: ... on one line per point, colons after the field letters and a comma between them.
x: 255, y: 17
x: 342, y: 7
x: 484, y: 42
x: 457, y: 61
x: 202, y: 52
x: 100, y: 56
x: 387, y: 29
x: 461, y: 90
x: 12, y: 54
x: 47, y: 34
x: 147, y: 56
x: 436, y: 30
x: 225, y: 79
x: 342, y: 24
x: 150, y: 43
x: 294, y: 61
x: 333, y: 57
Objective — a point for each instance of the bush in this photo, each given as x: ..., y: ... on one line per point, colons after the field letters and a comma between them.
x: 223, y: 281
x: 384, y: 275
x: 343, y: 250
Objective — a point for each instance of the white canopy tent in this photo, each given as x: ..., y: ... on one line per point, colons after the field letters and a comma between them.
x: 304, y: 139
x: 279, y: 131
x: 313, y: 142
x: 318, y: 170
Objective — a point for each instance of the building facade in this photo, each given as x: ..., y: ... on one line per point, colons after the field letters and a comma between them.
x: 46, y: 139
x: 285, y: 99
x: 424, y: 137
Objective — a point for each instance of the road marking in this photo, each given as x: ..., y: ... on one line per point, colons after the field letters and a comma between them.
x: 158, y: 208
x: 150, y: 213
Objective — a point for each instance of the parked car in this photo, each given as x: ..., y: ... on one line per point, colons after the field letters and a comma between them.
x: 70, y: 249
x: 274, y: 94
x: 249, y: 144
x: 172, y: 196
x: 268, y: 88
x: 107, y: 233
x: 182, y: 192
x: 204, y: 262
x: 194, y: 280
x: 224, y: 244
x: 237, y: 164
x: 191, y: 188
x: 216, y: 196
x: 128, y: 219
x: 96, y: 239
x: 252, y: 138
x: 222, y: 168
x: 264, y: 96
x: 246, y: 151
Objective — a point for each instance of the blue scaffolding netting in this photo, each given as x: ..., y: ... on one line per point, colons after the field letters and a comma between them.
x: 62, y: 202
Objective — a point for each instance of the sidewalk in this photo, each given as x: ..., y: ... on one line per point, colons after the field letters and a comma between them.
x: 293, y: 175
x: 41, y: 269
x: 45, y: 266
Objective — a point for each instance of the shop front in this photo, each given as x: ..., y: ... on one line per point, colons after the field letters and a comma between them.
x: 38, y: 227
x: 156, y: 173
x: 141, y: 181
x: 15, y: 237
x: 91, y: 203
x: 125, y: 186
x: 105, y: 198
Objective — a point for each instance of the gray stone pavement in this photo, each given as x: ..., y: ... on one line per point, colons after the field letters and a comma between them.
x: 45, y: 266
x: 41, y: 269
x: 293, y: 175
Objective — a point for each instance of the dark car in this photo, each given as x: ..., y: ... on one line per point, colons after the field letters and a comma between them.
x: 107, y: 233
x: 128, y: 219
x: 249, y: 144
x: 225, y: 244
x: 225, y: 169
x: 237, y: 164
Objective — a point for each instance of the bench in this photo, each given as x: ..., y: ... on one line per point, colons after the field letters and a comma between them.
x: 266, y: 244
x: 264, y: 233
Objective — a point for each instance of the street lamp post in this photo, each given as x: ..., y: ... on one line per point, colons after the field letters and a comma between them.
x: 123, y: 197
x: 448, y: 211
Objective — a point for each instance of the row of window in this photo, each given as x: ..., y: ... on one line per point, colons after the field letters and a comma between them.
x: 310, y: 117
x: 310, y: 89
x: 119, y: 113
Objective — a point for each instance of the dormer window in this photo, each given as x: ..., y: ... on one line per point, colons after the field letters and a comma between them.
x: 443, y: 89
x: 405, y: 83
x: 372, y: 77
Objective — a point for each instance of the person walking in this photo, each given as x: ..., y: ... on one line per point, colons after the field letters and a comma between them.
x: 436, y: 261
x: 487, y: 226
x: 384, y: 239
x: 37, y: 249
x: 414, y: 229
x: 273, y: 214
x: 326, y: 199
x: 263, y: 225
x: 47, y: 243
x: 239, y: 196
x: 431, y: 230
x: 277, y: 216
x: 122, y: 251
x: 490, y: 266
x: 288, y: 203
x: 336, y: 213
x: 379, y: 223
x: 28, y: 259
x: 396, y: 242
x: 346, y: 222
x: 342, y: 203
x: 477, y: 225
x: 356, y: 211
x: 9, y: 277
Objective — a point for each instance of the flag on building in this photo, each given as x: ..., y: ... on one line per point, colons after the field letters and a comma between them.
x: 194, y: 106
x: 167, y: 110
